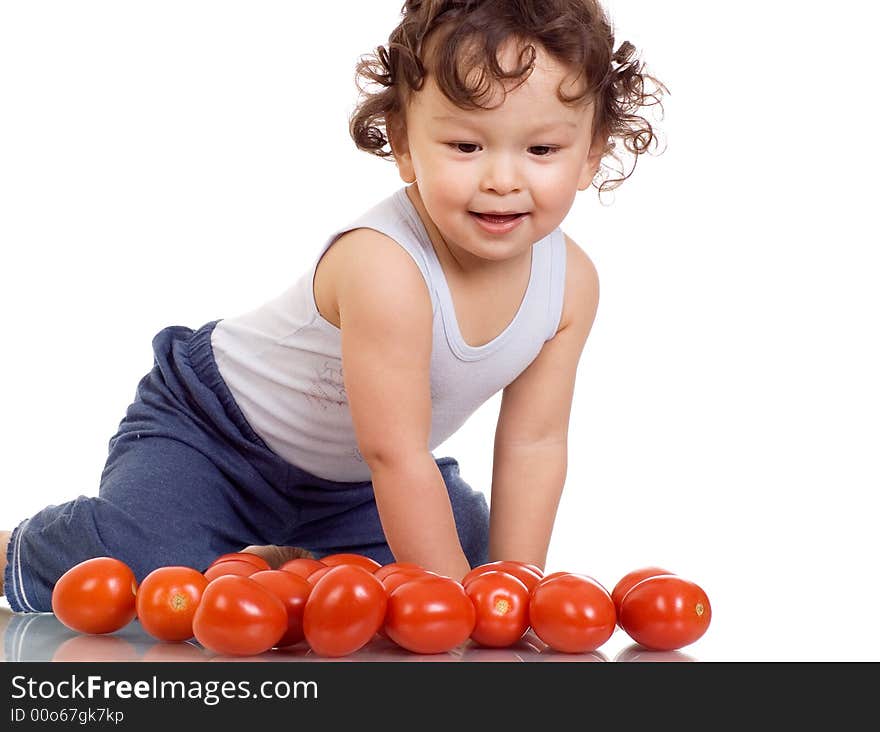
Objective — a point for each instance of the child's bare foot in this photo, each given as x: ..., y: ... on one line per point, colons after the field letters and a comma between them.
x: 278, y: 555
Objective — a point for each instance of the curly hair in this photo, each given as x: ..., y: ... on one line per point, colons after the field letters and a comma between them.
x: 576, y: 33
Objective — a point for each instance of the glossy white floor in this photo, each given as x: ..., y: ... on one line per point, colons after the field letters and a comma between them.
x: 41, y: 637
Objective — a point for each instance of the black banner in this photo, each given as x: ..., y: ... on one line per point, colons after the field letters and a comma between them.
x: 137, y: 695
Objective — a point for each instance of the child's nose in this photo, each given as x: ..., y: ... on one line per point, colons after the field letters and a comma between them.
x: 501, y: 174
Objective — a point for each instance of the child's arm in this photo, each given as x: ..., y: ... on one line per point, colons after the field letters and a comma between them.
x: 532, y: 433
x: 386, y: 320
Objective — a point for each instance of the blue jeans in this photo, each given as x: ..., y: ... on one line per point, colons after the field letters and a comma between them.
x: 187, y: 479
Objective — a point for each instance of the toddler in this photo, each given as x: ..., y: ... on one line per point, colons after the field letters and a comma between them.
x: 306, y: 427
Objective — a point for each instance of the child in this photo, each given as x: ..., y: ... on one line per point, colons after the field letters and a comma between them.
x: 307, y: 425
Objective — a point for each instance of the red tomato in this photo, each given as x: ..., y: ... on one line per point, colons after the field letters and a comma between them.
x: 630, y: 579
x: 254, y: 559
x: 167, y: 600
x: 534, y: 567
x: 230, y: 566
x: 386, y: 569
x: 393, y: 580
x: 359, y: 560
x: 344, y: 610
x: 293, y: 591
x: 430, y: 614
x: 502, y: 605
x: 572, y: 613
x: 554, y: 575
x: 665, y: 612
x: 95, y: 596
x: 303, y: 566
x: 318, y: 573
x: 239, y: 617
x: 527, y: 576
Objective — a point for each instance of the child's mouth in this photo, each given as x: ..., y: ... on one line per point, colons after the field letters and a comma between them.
x: 498, y: 224
x: 497, y: 218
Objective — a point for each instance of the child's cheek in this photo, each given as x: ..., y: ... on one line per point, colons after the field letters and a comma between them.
x: 450, y: 191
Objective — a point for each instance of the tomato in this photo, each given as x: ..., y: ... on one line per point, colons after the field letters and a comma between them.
x: 167, y: 599
x: 95, y: 596
x: 572, y: 613
x: 318, y: 573
x: 393, y: 580
x: 430, y: 614
x: 239, y: 617
x: 230, y: 566
x: 254, y: 559
x: 293, y: 591
x: 386, y: 569
x: 665, y: 612
x: 554, y: 575
x: 359, y: 560
x: 527, y: 576
x: 626, y: 583
x: 303, y: 566
x: 534, y: 567
x: 502, y: 605
x: 344, y: 610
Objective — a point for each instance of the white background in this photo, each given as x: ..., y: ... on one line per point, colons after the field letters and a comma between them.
x: 175, y: 162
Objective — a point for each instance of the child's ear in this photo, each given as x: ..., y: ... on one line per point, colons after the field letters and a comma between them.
x: 591, y: 166
x: 400, y: 147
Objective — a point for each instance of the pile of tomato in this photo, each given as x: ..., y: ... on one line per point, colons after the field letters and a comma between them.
x: 240, y: 606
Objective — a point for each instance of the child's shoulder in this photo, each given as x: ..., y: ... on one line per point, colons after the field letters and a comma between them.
x: 581, y: 285
x: 580, y: 269
x: 363, y: 258
x: 364, y: 251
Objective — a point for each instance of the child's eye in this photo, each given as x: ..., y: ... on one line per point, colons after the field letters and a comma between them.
x: 541, y: 151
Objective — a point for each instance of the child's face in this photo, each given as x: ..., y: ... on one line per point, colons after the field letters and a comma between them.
x: 529, y: 155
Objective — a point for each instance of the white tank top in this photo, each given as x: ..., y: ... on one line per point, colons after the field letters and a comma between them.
x: 282, y: 362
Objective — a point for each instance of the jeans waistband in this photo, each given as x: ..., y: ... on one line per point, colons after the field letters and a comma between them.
x: 201, y: 358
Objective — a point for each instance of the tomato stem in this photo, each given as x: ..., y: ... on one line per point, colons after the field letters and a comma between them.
x: 502, y: 607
